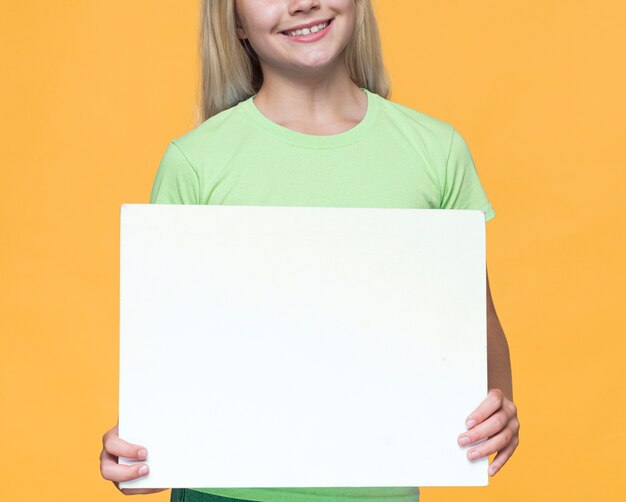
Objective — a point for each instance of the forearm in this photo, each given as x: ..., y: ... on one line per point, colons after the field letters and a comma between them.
x: 497, y: 414
x: 498, y: 358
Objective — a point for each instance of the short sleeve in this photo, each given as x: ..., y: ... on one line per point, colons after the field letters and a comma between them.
x: 176, y: 181
x: 462, y: 188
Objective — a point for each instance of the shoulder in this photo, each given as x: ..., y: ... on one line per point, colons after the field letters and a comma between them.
x: 183, y: 167
x: 416, y: 121
x: 429, y: 135
x: 212, y: 137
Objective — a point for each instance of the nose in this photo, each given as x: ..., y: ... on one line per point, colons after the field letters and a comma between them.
x: 296, y: 6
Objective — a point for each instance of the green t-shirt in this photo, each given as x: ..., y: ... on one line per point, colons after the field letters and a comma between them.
x: 396, y: 157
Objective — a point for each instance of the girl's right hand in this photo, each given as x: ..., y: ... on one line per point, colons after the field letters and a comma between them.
x: 112, y: 448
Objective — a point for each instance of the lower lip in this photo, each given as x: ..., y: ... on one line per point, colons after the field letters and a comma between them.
x: 311, y: 37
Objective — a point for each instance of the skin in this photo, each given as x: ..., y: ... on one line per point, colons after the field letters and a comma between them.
x: 307, y: 88
x: 496, y: 416
x: 112, y: 448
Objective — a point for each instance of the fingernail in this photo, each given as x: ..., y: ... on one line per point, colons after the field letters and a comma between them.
x: 474, y: 454
x: 464, y: 440
x: 142, y: 453
x: 470, y: 423
x: 143, y: 470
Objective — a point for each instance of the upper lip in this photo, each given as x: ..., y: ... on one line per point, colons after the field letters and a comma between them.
x: 308, y: 25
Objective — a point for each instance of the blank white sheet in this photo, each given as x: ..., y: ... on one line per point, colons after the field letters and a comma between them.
x: 267, y: 346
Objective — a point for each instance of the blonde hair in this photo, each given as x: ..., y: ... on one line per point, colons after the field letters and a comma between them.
x: 230, y: 70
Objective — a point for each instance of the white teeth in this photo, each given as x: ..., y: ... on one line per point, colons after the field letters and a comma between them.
x: 307, y: 31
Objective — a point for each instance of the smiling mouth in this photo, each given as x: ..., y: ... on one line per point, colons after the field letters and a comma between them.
x: 308, y: 32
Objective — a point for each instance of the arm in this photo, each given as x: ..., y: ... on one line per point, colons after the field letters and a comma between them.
x: 499, y: 361
x: 495, y: 419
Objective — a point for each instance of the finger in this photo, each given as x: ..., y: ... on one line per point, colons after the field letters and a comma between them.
x: 135, y: 491
x: 492, y: 445
x: 488, y: 407
x: 117, y: 446
x: 113, y: 431
x: 491, y: 426
x: 105, y: 455
x: 113, y: 471
x: 140, y: 491
x: 503, y: 455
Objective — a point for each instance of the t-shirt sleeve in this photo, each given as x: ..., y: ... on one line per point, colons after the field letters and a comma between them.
x: 176, y: 181
x: 462, y: 188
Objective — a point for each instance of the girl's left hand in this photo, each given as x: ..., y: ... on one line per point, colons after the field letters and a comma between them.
x: 496, y: 419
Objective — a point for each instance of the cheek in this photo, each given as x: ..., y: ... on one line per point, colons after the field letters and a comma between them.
x: 263, y: 25
x: 267, y: 15
x: 344, y: 8
x: 341, y: 5
x: 346, y: 17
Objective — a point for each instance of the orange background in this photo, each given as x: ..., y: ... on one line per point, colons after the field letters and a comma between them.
x: 93, y: 91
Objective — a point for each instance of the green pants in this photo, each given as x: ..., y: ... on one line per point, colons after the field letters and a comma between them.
x: 186, y: 495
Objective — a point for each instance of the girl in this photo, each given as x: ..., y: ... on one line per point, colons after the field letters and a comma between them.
x: 294, y: 111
